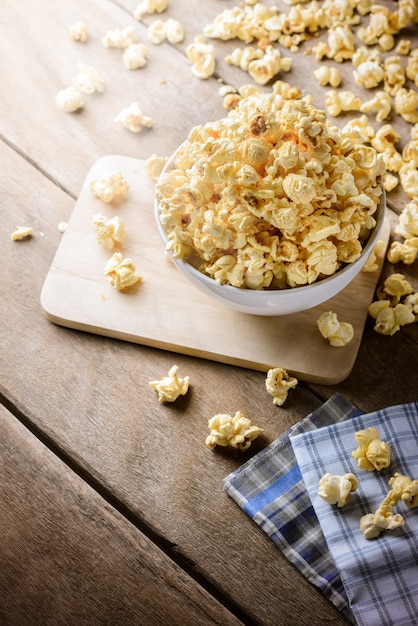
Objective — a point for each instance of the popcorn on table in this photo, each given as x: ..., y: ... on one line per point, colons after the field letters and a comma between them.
x: 108, y: 231
x: 121, y: 272
x: 202, y: 56
x: 170, y: 387
x: 278, y: 382
x: 88, y: 79
x: 133, y: 118
x: 21, y: 232
x: 108, y: 186
x: 171, y: 30
x: 119, y: 38
x: 233, y: 431
x: 337, y: 333
x: 69, y: 99
x: 149, y: 7
x: 78, y: 32
x: 389, y: 311
x: 135, y: 56
x: 326, y: 75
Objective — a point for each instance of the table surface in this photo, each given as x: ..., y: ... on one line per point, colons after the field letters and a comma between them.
x: 112, y: 509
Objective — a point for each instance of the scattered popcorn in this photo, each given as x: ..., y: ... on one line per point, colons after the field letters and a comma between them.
x: 119, y: 38
x: 379, y: 27
x: 408, y: 175
x: 410, y: 151
x: 133, y: 119
x: 244, y: 23
x: 108, y: 231
x: 411, y: 69
x: 369, y: 74
x: 202, y: 56
x: 394, y: 77
x: 406, y: 104
x: 88, y: 79
x: 156, y: 33
x: 109, y: 186
x: 232, y: 207
x: 403, y: 47
x: 261, y: 65
x: 174, y: 31
x: 69, y: 99
x: 171, y: 29
x: 358, y: 130
x: 395, y: 286
x: 278, y: 382
x: 372, y: 453
x: 341, y: 42
x: 338, y: 333
x: 339, y: 101
x: 364, y: 54
x: 236, y: 431
x: 411, y: 302
x: 135, y: 56
x: 326, y: 75
x: 62, y: 227
x: 405, y: 252
x: 404, y: 489
x: 149, y: 6
x: 78, y: 32
x: 380, y: 102
x: 21, y: 232
x: 121, y: 272
x: 385, y: 138
x: 170, y: 387
x: 372, y: 524
x: 407, y: 225
x: 154, y: 165
x: 336, y: 489
x: 389, y: 319
x: 279, y: 87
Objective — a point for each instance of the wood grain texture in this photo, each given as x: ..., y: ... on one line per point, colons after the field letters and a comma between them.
x: 67, y: 557
x: 166, y: 311
x: 89, y: 395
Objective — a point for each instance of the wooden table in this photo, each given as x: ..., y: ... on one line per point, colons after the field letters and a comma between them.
x: 111, y: 507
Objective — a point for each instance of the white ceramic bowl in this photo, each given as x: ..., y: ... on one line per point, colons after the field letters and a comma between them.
x: 279, y: 301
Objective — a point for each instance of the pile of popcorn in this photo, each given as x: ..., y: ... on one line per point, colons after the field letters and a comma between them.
x: 271, y: 196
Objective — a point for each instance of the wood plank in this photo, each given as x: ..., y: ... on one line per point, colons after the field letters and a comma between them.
x: 90, y: 396
x: 167, y: 311
x: 68, y: 557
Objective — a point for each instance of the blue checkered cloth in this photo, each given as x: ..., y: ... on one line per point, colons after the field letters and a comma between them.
x: 380, y: 576
x: 270, y: 489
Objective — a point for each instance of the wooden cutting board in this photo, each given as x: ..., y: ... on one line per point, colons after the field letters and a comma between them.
x: 167, y: 312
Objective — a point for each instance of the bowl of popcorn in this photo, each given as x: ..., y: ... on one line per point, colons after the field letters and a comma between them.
x: 271, y: 210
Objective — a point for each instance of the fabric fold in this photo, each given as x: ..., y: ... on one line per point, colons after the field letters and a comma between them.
x: 380, y: 576
x: 271, y: 491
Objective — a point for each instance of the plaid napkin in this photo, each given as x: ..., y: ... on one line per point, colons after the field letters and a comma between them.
x: 380, y: 576
x: 270, y: 489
